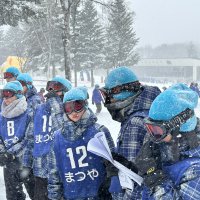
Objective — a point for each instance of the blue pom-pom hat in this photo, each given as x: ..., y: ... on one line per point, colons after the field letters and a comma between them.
x: 120, y: 76
x: 173, y: 101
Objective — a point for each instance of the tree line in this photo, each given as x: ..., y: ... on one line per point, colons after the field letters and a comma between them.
x: 71, y: 34
x: 176, y: 50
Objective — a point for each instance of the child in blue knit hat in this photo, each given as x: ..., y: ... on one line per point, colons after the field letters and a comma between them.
x: 170, y: 159
x: 48, y: 118
x: 29, y: 91
x: 128, y: 102
x: 33, y: 100
x: 15, y: 128
x: 11, y: 73
x: 76, y: 173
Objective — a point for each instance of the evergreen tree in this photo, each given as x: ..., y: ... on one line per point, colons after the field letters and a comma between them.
x: 121, y: 38
x: 39, y: 41
x: 13, y: 11
x: 45, y: 40
x: 67, y: 6
x: 87, y: 46
x: 90, y: 40
x: 12, y: 43
x: 3, y: 51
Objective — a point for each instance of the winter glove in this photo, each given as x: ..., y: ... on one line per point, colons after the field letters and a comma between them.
x: 24, y: 172
x: 145, y: 159
x: 148, y: 167
x: 103, y: 192
x: 3, y: 159
x: 111, y: 170
x: 154, y: 178
x: 169, y: 152
x: 121, y: 159
x: 190, y: 140
x: 6, y: 158
x: 92, y: 103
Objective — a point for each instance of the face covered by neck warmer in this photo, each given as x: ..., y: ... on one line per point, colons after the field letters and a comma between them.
x: 52, y: 93
x: 119, y: 109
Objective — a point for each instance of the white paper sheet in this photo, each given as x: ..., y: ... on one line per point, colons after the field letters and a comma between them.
x: 99, y: 146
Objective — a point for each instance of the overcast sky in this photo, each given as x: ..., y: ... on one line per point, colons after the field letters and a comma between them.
x: 166, y: 21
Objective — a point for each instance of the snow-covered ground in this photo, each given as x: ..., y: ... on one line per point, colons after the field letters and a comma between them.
x: 103, y: 118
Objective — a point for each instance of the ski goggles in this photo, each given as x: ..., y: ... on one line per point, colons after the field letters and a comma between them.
x: 8, y: 94
x: 7, y: 75
x: 55, y: 86
x: 129, y: 87
x: 75, y: 106
x: 158, y: 130
x: 23, y: 83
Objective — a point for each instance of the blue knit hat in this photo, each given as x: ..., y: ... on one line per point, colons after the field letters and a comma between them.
x: 96, y: 86
x: 120, y: 76
x: 173, y: 101
x: 13, y: 70
x: 14, y: 86
x: 75, y: 94
x: 67, y: 84
x: 25, y: 77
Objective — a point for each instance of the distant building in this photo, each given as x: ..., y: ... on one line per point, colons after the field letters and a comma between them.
x: 165, y: 70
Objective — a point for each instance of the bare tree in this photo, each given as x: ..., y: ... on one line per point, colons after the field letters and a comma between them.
x: 67, y: 6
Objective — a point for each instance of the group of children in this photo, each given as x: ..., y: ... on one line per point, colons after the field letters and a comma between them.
x: 43, y: 144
